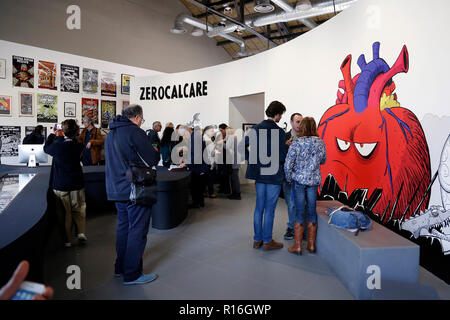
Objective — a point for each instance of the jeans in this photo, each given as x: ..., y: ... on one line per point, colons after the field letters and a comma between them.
x: 290, y: 204
x: 133, y: 223
x: 266, y: 201
x: 302, y: 194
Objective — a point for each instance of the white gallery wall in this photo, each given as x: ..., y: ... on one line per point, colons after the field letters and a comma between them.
x: 130, y: 32
x: 10, y: 49
x: 304, y: 73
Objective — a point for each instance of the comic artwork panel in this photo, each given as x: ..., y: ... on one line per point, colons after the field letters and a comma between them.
x: 108, y: 112
x: 26, y: 104
x: 10, y: 137
x: 5, y: 105
x: 70, y: 109
x: 22, y: 72
x: 47, y: 110
x: 70, y: 78
x: 125, y: 84
x: 47, y: 75
x: 109, y: 86
x: 89, y: 108
x: 2, y: 68
x: 90, y: 80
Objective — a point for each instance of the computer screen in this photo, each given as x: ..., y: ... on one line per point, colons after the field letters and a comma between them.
x: 25, y: 150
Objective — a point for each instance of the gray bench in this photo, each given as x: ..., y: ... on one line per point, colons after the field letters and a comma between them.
x: 350, y: 256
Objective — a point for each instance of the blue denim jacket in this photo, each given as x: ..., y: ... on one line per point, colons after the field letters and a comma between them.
x: 303, y: 161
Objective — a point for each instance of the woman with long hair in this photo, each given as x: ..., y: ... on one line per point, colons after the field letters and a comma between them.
x: 302, y: 169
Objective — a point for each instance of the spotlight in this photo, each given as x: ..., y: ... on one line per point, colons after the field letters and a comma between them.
x: 263, y: 6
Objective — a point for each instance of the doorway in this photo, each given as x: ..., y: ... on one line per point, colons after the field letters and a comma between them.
x: 246, y: 109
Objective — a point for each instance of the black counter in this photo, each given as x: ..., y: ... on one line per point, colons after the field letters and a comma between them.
x: 27, y: 222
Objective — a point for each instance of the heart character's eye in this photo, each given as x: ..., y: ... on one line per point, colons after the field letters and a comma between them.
x: 365, y: 149
x: 342, y: 144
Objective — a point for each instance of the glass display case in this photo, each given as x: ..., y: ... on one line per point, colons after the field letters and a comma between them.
x: 11, y: 185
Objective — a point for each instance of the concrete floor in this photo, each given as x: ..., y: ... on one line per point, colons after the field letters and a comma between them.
x: 210, y: 256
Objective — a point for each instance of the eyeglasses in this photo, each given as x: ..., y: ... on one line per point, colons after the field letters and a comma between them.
x: 143, y: 120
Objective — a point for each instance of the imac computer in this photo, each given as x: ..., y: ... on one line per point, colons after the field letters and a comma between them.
x: 32, y: 154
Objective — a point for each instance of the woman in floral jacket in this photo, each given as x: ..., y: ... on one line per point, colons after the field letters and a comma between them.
x: 302, y: 169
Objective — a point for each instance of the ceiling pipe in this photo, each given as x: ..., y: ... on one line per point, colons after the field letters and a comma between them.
x: 317, y: 10
x: 243, y: 25
x: 288, y: 8
x: 289, y: 14
x: 183, y: 17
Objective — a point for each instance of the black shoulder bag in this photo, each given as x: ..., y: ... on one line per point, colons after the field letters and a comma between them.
x: 142, y: 178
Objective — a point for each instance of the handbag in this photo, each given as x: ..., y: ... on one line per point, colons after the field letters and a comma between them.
x: 142, y: 180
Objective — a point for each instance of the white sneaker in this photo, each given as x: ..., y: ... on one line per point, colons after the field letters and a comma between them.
x: 67, y: 244
x: 82, y: 237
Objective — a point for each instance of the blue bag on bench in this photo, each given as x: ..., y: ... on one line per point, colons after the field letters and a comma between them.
x: 348, y: 219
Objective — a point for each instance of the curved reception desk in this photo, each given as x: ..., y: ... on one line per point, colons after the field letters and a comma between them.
x: 27, y: 216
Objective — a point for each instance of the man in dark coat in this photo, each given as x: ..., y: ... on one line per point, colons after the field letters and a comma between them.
x: 126, y: 144
x: 268, y: 176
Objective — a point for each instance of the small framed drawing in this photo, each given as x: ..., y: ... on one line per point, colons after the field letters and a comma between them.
x: 70, y: 109
x: 26, y: 104
x: 2, y: 68
x: 125, y: 83
x: 5, y: 106
x: 247, y: 126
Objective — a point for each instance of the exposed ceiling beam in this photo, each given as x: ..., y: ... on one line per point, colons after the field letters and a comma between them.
x: 289, y: 36
x: 243, y: 25
x: 221, y: 8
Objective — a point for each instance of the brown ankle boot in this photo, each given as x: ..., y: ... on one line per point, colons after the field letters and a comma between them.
x: 272, y: 245
x: 312, y: 232
x: 299, y: 228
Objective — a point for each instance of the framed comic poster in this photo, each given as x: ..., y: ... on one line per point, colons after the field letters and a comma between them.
x: 125, y: 84
x: 2, y: 68
x: 247, y: 126
x: 47, y: 75
x: 22, y: 72
x: 70, y: 78
x: 108, y: 112
x: 5, y: 105
x: 90, y: 80
x: 47, y: 108
x: 70, y: 109
x: 26, y: 104
x: 89, y: 108
x: 30, y: 129
x: 125, y: 104
x: 109, y: 86
x: 10, y: 136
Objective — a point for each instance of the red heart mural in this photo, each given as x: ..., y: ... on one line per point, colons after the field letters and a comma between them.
x: 374, y: 144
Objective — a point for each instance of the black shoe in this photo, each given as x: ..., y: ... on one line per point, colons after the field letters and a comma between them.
x: 193, y: 206
x: 236, y: 196
x: 289, y: 235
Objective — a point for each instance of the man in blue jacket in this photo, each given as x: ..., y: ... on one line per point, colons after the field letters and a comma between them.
x: 125, y: 144
x: 266, y: 168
